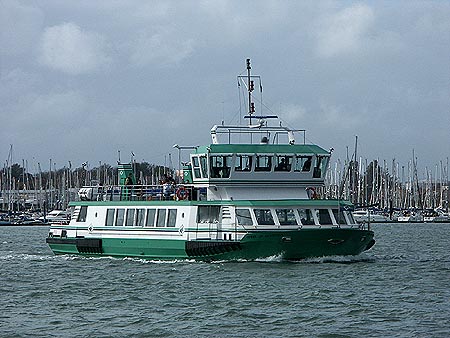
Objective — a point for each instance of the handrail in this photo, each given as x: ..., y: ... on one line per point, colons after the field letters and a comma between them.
x: 159, y: 192
x: 252, y: 129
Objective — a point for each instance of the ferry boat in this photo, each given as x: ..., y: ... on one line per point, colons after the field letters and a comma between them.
x: 237, y: 201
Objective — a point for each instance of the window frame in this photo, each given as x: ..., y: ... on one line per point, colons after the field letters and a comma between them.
x: 108, y: 216
x: 161, y: 216
x: 258, y: 217
x: 239, y: 163
x: 286, y: 210
x: 82, y: 215
x: 120, y: 214
x: 150, y: 212
x: 268, y: 163
x: 238, y: 217
x: 310, y: 213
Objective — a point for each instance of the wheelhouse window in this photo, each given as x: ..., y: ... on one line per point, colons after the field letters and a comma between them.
x: 82, y: 215
x: 263, y: 163
x: 204, y: 166
x: 161, y: 218
x: 243, y: 163
x: 244, y: 217
x: 109, y: 217
x: 150, y: 219
x: 220, y: 166
x: 324, y: 217
x: 264, y: 217
x: 321, y: 166
x: 196, y: 167
x: 208, y: 214
x: 286, y: 216
x: 306, y: 216
x: 283, y: 163
x: 302, y: 163
x: 172, y: 217
x: 120, y: 217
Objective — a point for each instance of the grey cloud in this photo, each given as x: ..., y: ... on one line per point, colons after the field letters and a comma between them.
x: 70, y: 49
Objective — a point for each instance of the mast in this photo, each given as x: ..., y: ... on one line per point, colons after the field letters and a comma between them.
x: 251, y: 86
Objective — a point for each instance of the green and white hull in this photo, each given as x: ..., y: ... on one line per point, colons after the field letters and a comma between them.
x: 287, y: 244
x: 210, y: 230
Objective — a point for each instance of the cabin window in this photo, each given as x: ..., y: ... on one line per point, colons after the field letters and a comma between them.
x: 172, y: 218
x: 306, y: 216
x: 339, y: 216
x: 161, y: 218
x: 264, y: 217
x: 302, y: 163
x: 196, y: 167
x: 244, y: 217
x: 283, y: 163
x: 243, y: 163
x: 263, y: 163
x: 324, y: 217
x: 350, y: 217
x: 120, y: 217
x: 220, y: 166
x: 150, y: 220
x: 82, y: 215
x: 110, y: 217
x: 130, y: 217
x: 204, y: 166
x: 286, y: 216
x: 208, y: 214
x: 140, y: 217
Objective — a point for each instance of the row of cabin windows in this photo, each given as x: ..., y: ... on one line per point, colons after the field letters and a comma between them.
x: 151, y: 217
x: 141, y: 217
x: 301, y: 216
x: 162, y: 217
x: 221, y: 165
x: 136, y: 217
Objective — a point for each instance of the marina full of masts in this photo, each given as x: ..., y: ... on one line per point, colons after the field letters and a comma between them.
x: 391, y: 188
x: 387, y: 188
x: 26, y: 198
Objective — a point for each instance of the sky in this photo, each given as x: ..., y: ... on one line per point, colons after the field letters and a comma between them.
x: 82, y: 80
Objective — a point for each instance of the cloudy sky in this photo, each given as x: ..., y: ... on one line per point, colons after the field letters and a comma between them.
x: 81, y: 80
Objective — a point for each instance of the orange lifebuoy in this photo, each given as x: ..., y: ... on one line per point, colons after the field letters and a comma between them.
x: 182, y: 193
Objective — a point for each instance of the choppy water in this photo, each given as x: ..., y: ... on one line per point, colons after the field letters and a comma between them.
x: 399, y: 289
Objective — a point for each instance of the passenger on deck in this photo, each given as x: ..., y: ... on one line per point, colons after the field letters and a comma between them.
x: 282, y: 166
x: 129, y: 179
x: 128, y: 183
x: 307, y: 165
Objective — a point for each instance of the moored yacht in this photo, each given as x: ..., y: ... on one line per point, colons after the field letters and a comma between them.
x: 237, y: 200
x: 368, y: 216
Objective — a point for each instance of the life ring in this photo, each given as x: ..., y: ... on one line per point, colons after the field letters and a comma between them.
x: 182, y: 193
x: 312, y: 194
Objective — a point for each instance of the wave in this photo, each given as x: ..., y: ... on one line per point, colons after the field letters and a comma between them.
x: 361, y: 258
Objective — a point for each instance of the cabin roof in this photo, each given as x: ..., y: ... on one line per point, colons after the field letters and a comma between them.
x: 239, y: 203
x: 262, y: 149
